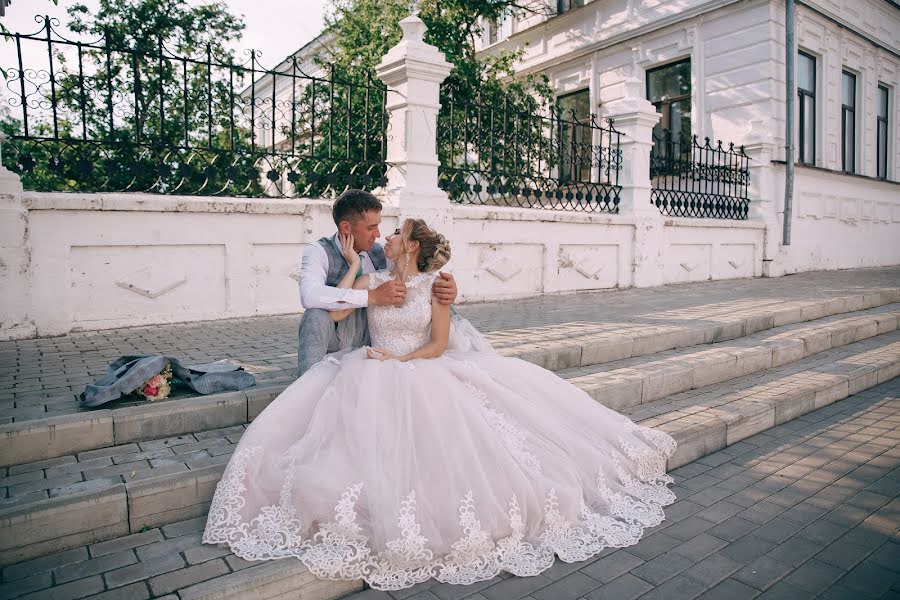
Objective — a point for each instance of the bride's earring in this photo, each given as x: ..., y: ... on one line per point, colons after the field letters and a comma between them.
x: 406, y: 262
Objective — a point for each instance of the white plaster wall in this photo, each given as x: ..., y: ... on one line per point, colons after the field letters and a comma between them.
x: 108, y: 260
x: 840, y: 221
x: 504, y: 252
x: 705, y: 249
x: 114, y: 260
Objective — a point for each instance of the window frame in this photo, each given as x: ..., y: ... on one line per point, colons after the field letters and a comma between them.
x: 801, y: 92
x: 564, y: 6
x: 848, y: 164
x: 666, y: 119
x: 879, y: 158
x: 585, y: 122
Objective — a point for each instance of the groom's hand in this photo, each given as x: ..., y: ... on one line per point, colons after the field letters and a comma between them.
x: 444, y: 288
x: 390, y: 292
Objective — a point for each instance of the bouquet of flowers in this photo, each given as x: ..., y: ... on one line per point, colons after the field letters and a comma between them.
x: 157, y: 387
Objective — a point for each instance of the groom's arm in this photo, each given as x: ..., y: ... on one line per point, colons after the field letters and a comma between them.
x: 314, y: 293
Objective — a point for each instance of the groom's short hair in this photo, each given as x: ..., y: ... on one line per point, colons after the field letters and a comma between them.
x: 352, y: 204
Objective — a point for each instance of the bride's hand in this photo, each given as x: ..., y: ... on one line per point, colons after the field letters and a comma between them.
x: 380, y: 354
x: 351, y: 255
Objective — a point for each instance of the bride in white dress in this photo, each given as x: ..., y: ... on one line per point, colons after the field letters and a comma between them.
x: 412, y: 460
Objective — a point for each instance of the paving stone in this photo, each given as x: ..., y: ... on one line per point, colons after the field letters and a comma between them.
x: 20, y: 587
x: 44, y: 563
x: 69, y: 591
x: 145, y: 569
x: 677, y: 587
x: 663, y: 567
x: 843, y: 555
x: 699, y: 547
x: 170, y: 582
x: 688, y: 528
x: 712, y: 569
x: 625, y: 587
x: 610, y: 567
x: 869, y: 578
x: 777, y: 530
x: 785, y: 591
x: 515, y: 587
x: 570, y: 587
x: 204, y: 553
x: 654, y: 545
x: 41, y: 464
x: 747, y: 549
x: 732, y: 590
x: 126, y: 542
x: 814, y: 576
x: 135, y: 591
x: 184, y: 527
x: 763, y: 572
x: 719, y: 511
x: 887, y: 556
x: 167, y: 546
x: 237, y: 563
x: 822, y: 531
x: 94, y: 566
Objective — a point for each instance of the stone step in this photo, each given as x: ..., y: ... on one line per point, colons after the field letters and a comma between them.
x: 618, y: 385
x: 160, y: 561
x: 708, y: 419
x: 171, y: 562
x: 123, y: 489
x: 582, y: 344
x: 625, y: 383
x: 558, y: 347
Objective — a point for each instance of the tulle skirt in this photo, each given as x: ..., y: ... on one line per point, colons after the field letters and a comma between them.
x: 456, y: 468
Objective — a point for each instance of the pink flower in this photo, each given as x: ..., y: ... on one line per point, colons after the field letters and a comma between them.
x: 150, y: 390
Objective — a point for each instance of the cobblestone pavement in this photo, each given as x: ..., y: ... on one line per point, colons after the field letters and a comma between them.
x: 807, y: 509
x: 35, y: 369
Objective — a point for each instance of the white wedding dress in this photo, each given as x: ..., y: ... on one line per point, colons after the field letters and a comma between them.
x: 456, y: 467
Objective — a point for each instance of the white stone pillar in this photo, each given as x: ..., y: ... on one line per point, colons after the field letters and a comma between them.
x: 15, y: 258
x: 413, y: 72
x: 634, y: 116
x: 760, y: 148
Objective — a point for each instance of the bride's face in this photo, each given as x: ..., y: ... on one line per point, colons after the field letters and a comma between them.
x: 395, y: 244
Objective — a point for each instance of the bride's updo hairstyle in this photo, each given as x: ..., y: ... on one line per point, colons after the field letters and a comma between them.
x: 434, y: 249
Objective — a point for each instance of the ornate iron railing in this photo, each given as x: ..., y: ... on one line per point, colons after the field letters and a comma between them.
x: 690, y: 179
x: 493, y: 155
x: 94, y: 116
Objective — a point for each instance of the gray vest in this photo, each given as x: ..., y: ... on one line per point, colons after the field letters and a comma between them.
x: 337, y: 264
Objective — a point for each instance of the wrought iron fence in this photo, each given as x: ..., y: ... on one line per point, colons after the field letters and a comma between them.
x: 94, y: 116
x: 690, y: 179
x: 492, y: 155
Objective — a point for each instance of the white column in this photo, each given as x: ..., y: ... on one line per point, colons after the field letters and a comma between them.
x: 413, y: 72
x: 760, y: 148
x: 15, y: 258
x: 634, y: 116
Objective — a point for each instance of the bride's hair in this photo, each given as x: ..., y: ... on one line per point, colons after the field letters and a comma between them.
x: 434, y: 249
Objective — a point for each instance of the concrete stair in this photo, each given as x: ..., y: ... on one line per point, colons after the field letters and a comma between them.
x: 153, y: 468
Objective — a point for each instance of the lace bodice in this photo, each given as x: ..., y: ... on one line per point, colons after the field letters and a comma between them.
x: 406, y: 328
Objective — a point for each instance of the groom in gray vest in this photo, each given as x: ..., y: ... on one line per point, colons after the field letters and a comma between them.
x: 358, y: 213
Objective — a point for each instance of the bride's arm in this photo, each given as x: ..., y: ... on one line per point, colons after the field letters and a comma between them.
x: 360, y: 284
x: 440, y: 333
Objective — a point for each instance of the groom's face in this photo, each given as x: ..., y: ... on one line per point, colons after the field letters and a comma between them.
x: 365, y: 230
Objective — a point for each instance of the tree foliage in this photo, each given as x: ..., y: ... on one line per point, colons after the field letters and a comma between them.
x: 148, y: 106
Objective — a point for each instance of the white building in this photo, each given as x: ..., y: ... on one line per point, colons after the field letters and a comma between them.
x: 716, y: 69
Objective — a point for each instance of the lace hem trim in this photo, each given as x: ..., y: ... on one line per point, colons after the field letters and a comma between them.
x: 339, y: 550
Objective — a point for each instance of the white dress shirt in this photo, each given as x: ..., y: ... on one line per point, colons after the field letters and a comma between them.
x: 314, y: 293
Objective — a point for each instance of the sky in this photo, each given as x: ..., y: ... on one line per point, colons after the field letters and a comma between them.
x: 274, y: 27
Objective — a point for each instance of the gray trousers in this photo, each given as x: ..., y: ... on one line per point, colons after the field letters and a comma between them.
x: 319, y: 335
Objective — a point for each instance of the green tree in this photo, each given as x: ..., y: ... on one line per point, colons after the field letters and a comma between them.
x: 149, y: 106
x: 364, y: 30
